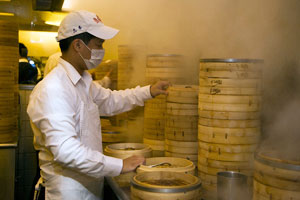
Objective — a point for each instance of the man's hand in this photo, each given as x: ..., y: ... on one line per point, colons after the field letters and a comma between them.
x: 159, y: 87
x: 131, y: 163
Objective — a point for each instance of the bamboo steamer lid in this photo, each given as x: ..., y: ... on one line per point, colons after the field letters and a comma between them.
x: 180, y: 165
x: 224, y: 138
x: 151, y: 185
x: 275, y: 171
x: 125, y: 150
x: 230, y: 66
x: 230, y: 83
x: 224, y: 123
x: 229, y: 131
x: 225, y: 99
x: 270, y: 193
x: 229, y: 115
x: 229, y: 91
x: 229, y: 107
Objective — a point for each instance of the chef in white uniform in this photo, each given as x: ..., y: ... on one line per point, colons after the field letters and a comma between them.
x: 64, y: 110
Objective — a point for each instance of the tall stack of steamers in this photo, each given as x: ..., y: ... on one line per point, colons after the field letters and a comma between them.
x: 181, y: 122
x: 159, y: 67
x: 229, y: 118
x: 9, y: 94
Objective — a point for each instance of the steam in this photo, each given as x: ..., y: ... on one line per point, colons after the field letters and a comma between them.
x: 268, y: 30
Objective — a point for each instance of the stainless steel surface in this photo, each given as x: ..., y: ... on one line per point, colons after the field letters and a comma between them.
x: 122, y: 193
x: 231, y: 60
x: 7, y: 170
x: 232, y: 186
x: 26, y: 87
x: 8, y: 145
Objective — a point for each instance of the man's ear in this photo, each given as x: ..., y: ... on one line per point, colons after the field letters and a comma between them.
x: 76, y: 45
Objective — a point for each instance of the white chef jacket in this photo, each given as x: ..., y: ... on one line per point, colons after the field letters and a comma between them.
x: 64, y: 110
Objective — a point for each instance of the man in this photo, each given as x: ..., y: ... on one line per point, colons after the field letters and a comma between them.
x: 64, y: 110
x: 27, y: 73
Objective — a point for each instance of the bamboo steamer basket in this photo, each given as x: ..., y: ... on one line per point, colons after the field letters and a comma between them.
x: 120, y: 151
x: 224, y: 123
x: 229, y: 115
x: 191, y: 157
x: 9, y: 97
x: 154, y: 123
x: 180, y: 134
x: 229, y: 131
x: 227, y: 148
x: 154, y: 135
x: 157, y: 146
x: 229, y: 91
x: 181, y: 147
x: 230, y: 74
x: 185, y: 94
x: 163, y: 67
x: 230, y: 83
x: 181, y: 121
x: 262, y: 191
x: 149, y: 185
x: 237, y: 65
x: 179, y: 165
x: 225, y: 99
x: 182, y: 109
x: 125, y: 150
x: 203, y: 106
x: 276, y: 176
x: 224, y: 138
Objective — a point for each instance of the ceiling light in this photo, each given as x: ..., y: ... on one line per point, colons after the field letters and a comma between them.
x: 7, y: 14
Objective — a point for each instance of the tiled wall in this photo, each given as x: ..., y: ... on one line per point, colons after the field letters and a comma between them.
x: 26, y: 158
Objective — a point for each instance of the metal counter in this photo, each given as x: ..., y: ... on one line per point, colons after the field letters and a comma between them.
x: 122, y: 193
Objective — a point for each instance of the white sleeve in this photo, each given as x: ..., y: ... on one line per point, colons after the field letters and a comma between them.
x: 105, y: 82
x: 115, y: 102
x: 53, y: 114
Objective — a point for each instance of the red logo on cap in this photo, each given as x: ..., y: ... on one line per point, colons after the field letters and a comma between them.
x: 97, y: 19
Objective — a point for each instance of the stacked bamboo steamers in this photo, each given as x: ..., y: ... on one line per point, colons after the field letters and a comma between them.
x: 229, y: 118
x: 181, y: 122
x: 159, y: 67
x: 9, y: 80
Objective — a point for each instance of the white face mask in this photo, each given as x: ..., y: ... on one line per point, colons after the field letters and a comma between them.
x: 96, y: 57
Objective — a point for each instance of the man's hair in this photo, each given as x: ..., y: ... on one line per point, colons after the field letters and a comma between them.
x: 23, y: 50
x: 65, y: 43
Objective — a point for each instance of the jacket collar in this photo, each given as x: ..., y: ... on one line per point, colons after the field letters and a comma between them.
x: 73, y: 74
